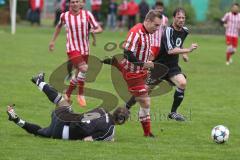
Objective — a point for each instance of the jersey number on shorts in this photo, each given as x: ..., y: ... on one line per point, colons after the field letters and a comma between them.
x: 87, y: 117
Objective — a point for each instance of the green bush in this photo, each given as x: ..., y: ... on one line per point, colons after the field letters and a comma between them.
x: 190, y: 12
x: 22, y: 7
x: 214, y: 13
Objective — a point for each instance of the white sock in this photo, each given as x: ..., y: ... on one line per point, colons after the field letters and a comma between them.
x: 143, y: 112
x: 41, y: 85
x: 21, y: 123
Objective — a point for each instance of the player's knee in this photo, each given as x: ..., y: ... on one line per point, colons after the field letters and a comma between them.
x: 230, y: 49
x: 182, y: 84
x: 63, y: 102
x: 234, y: 50
x: 144, y: 101
x: 83, y: 68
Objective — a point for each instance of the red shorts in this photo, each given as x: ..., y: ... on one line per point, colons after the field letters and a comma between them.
x: 232, y: 41
x: 77, y: 58
x: 136, y: 81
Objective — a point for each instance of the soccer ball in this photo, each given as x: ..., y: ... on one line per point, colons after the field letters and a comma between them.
x: 220, y: 134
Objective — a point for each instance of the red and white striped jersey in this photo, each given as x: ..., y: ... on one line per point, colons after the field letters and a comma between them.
x: 138, y: 42
x: 77, y: 29
x: 233, y: 24
x: 157, y: 36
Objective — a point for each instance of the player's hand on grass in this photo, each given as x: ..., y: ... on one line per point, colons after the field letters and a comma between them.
x: 148, y: 64
x: 89, y: 138
x: 51, y: 46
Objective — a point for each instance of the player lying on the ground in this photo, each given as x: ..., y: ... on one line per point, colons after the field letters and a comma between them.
x: 96, y: 124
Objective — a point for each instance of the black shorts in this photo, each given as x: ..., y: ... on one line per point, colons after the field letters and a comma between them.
x: 55, y: 129
x: 173, y: 70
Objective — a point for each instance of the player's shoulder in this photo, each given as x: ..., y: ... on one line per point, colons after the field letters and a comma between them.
x: 136, y: 28
x: 227, y: 14
x: 64, y: 13
x: 164, y: 16
x: 185, y: 29
x: 169, y: 29
x: 87, y: 12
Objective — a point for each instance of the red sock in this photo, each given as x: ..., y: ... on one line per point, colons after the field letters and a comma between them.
x: 228, y: 56
x: 71, y: 87
x: 146, y: 125
x: 80, y: 87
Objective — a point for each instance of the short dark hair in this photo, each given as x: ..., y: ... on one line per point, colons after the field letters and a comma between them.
x: 159, y: 3
x: 152, y: 14
x: 120, y: 115
x: 235, y: 4
x: 177, y: 10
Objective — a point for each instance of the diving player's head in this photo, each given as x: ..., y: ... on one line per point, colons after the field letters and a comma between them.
x: 153, y: 21
x: 120, y: 115
x: 179, y: 16
x: 235, y: 8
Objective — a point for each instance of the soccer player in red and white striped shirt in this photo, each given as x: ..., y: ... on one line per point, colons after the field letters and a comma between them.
x: 156, y: 37
x: 231, y: 22
x: 77, y: 21
x: 134, y: 65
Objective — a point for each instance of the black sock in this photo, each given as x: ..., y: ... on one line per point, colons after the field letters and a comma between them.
x: 16, y: 120
x: 31, y: 128
x: 178, y: 98
x: 52, y: 93
x: 131, y: 102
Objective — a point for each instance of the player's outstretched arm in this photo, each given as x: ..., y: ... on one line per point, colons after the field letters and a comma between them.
x: 98, y: 29
x: 183, y: 50
x: 55, y: 35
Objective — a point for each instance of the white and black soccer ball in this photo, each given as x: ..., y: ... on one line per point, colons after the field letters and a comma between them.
x: 220, y: 134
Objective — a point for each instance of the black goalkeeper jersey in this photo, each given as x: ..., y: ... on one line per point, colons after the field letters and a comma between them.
x: 171, y: 39
x: 96, y: 123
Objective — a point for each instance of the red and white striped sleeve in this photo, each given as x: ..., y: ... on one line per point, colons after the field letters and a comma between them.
x: 92, y: 21
x: 132, y: 41
x: 62, y: 19
x: 225, y: 17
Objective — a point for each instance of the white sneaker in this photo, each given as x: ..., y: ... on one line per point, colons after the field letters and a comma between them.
x: 227, y: 63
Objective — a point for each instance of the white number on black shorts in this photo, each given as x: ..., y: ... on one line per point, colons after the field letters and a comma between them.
x: 87, y: 117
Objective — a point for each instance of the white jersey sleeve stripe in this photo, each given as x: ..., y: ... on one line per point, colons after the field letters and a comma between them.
x: 168, y: 35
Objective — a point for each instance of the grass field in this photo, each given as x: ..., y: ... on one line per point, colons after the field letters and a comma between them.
x: 212, y: 98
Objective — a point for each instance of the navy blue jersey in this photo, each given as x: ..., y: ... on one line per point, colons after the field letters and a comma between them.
x: 96, y: 123
x: 171, y: 39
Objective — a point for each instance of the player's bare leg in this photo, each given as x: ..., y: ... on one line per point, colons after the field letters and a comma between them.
x: 144, y: 114
x: 180, y: 81
x: 81, y: 77
x: 229, y: 53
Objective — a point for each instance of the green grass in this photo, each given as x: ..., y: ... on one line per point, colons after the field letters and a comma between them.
x: 212, y: 98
